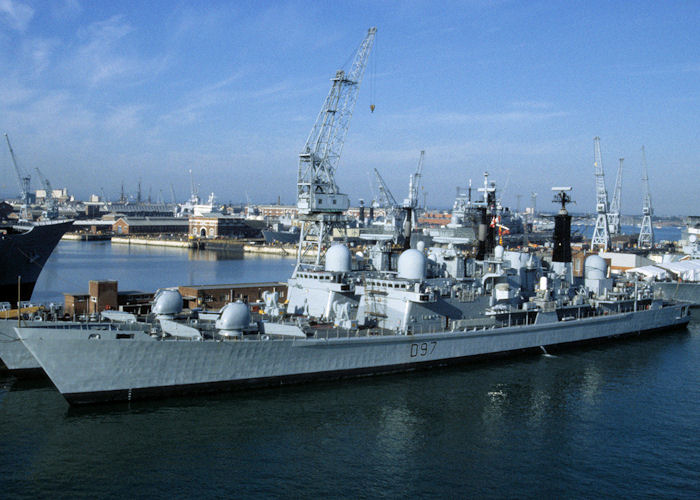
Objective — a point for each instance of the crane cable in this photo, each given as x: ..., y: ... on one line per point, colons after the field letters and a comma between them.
x: 372, y: 78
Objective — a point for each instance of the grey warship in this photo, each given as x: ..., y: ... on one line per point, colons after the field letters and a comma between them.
x: 397, y: 311
x: 354, y: 324
x: 24, y: 249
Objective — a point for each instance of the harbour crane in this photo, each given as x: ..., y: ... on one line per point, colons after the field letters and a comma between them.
x: 399, y: 215
x: 320, y: 203
x: 616, y: 203
x: 194, y: 191
x: 386, y: 199
x: 414, y: 184
x: 646, y: 231
x: 24, y: 180
x: 51, y: 211
x: 410, y: 204
x: 601, y: 233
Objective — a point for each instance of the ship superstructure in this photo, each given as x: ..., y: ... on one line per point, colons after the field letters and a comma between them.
x: 404, y: 320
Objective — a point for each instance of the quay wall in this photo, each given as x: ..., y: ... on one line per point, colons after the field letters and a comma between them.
x: 155, y: 242
x: 235, y: 246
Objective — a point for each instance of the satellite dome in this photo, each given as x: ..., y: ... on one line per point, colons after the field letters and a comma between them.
x: 420, y: 246
x: 412, y: 265
x: 234, y: 316
x: 595, y: 267
x: 338, y: 259
x: 498, y: 251
x: 167, y: 302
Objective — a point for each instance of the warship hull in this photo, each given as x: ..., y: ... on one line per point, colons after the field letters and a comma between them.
x: 17, y: 359
x: 130, y: 367
x: 14, y: 355
x: 285, y: 237
x: 685, y: 291
x: 24, y: 251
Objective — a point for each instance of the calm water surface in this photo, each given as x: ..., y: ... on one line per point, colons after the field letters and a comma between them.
x: 74, y: 263
x: 620, y: 419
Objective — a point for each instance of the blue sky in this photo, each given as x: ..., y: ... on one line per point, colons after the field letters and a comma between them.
x: 96, y: 93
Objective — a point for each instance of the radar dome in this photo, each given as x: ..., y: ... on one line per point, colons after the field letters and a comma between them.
x: 595, y: 267
x: 338, y: 259
x: 167, y: 302
x: 498, y: 251
x: 420, y: 246
x: 412, y: 265
x: 234, y: 316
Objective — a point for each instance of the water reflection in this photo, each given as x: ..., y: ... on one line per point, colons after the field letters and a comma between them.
x: 507, y: 427
x: 211, y: 255
x: 74, y: 263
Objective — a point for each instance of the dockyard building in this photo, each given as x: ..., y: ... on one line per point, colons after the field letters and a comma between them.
x: 150, y: 225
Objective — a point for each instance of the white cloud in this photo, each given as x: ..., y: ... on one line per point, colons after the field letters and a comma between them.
x: 123, y: 120
x: 107, y: 54
x: 13, y: 93
x: 16, y: 14
x: 39, y: 52
x: 66, y: 9
x: 222, y: 93
x: 502, y: 117
x: 99, y: 58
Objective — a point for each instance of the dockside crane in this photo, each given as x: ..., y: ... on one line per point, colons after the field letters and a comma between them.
x: 410, y: 204
x: 386, y: 198
x: 320, y: 203
x: 24, y: 180
x: 616, y: 203
x: 646, y: 231
x: 51, y: 211
x: 601, y: 233
x: 414, y: 184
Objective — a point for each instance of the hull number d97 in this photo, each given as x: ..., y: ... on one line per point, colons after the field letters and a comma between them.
x: 423, y: 349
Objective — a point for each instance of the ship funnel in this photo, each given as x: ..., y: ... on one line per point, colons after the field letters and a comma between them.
x: 562, y: 227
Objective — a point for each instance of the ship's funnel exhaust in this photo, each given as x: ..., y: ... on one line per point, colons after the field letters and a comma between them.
x: 562, y: 227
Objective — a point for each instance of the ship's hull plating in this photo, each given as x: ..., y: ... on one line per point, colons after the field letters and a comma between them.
x: 24, y: 254
x: 687, y: 292
x: 13, y: 353
x: 86, y: 371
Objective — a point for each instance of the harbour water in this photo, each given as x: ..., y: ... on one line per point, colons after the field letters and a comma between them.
x: 147, y: 268
x: 670, y: 233
x: 618, y: 419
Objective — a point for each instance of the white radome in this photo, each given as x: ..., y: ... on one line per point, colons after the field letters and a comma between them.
x: 338, y: 259
x: 595, y: 267
x: 412, y: 264
x: 234, y: 316
x: 167, y: 302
